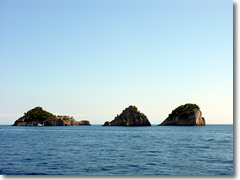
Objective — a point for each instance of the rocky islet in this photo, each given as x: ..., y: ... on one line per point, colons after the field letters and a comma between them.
x: 129, y: 117
x: 37, y: 116
x: 184, y: 115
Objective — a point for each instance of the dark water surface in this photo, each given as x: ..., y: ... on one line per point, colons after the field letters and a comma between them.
x: 106, y: 150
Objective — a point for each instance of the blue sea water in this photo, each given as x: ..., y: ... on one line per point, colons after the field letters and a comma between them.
x: 114, y: 150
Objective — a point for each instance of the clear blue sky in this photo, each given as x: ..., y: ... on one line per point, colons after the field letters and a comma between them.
x: 92, y: 59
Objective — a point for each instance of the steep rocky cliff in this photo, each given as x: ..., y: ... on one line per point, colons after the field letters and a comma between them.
x: 185, y: 115
x: 129, y: 117
x: 38, y: 116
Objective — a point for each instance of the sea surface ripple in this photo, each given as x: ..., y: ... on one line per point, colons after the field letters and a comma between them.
x: 114, y: 150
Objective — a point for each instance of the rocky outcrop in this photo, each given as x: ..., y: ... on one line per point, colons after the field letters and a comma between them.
x: 38, y: 116
x: 83, y: 122
x: 185, y: 115
x: 129, y: 117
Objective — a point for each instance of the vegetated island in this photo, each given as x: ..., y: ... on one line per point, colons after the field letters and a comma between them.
x: 185, y: 115
x: 39, y: 117
x: 129, y: 117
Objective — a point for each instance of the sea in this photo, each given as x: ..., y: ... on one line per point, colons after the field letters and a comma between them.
x: 116, y: 150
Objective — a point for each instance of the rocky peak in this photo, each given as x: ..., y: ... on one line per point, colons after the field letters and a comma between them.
x: 129, y: 117
x: 185, y: 115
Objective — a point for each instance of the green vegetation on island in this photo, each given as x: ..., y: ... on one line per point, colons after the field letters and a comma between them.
x: 182, y: 108
x: 38, y: 113
x: 133, y: 107
x: 39, y: 117
x: 185, y: 115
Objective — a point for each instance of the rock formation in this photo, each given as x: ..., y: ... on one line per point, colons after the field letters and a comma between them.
x: 38, y: 116
x: 129, y: 117
x: 83, y: 122
x: 185, y: 115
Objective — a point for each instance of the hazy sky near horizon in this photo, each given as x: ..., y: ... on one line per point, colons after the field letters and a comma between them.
x: 92, y: 59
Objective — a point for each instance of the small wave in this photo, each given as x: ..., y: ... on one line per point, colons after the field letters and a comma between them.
x: 136, y: 136
x: 36, y: 174
x: 105, y: 169
x: 133, y: 165
x: 151, y: 164
x: 28, y: 159
x: 12, y: 129
x: 151, y: 155
x: 43, y: 163
x: 228, y: 162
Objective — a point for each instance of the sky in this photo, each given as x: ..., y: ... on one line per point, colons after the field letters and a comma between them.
x: 92, y: 59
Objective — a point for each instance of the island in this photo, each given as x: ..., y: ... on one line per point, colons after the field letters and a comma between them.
x: 185, y: 115
x: 129, y: 117
x: 39, y: 117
